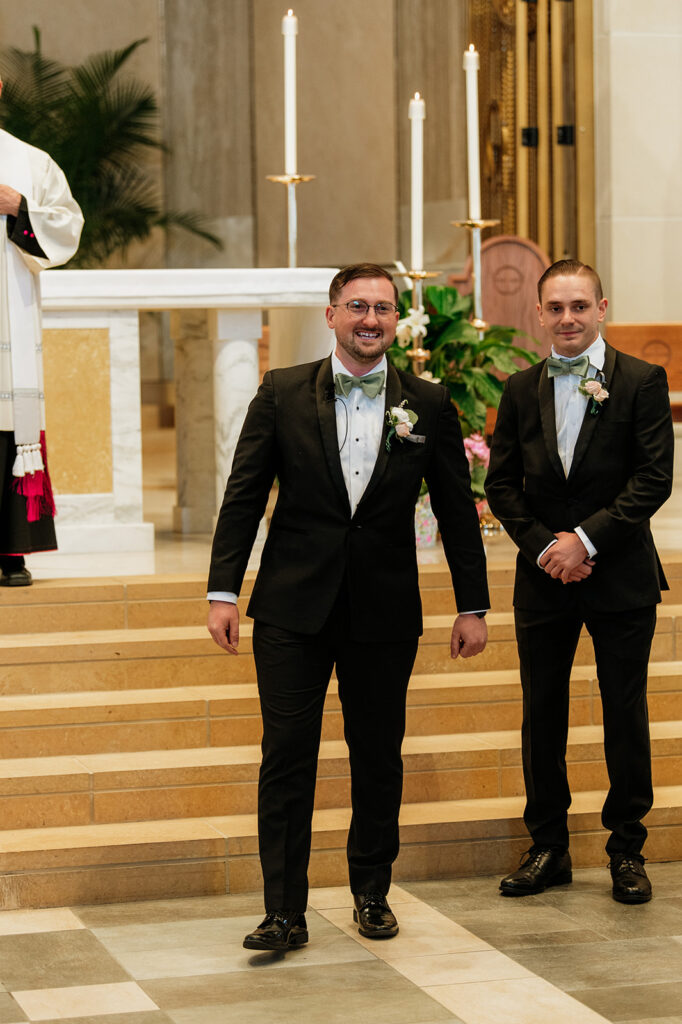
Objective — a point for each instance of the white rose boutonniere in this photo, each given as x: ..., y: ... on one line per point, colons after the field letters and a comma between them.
x: 401, y: 421
x: 594, y: 389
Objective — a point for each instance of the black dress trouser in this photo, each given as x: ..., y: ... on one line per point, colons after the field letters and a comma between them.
x: 547, y: 643
x: 293, y: 671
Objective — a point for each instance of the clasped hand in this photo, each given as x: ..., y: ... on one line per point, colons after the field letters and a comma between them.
x: 567, y: 559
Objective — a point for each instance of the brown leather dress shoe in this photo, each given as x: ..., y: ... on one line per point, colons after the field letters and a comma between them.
x: 541, y: 869
x: 374, y: 917
x: 630, y: 881
x: 280, y: 929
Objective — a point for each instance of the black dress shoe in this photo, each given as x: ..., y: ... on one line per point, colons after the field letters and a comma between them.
x: 630, y: 882
x: 16, y: 578
x: 541, y: 869
x: 374, y: 917
x: 280, y: 929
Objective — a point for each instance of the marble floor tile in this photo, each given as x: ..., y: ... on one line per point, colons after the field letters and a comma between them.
x: 423, y: 931
x: 612, y: 920
x: 25, y: 922
x: 528, y: 1001
x: 143, y: 1017
x: 56, y: 959
x: 458, y: 895
x: 459, y: 968
x: 58, y: 1004
x: 628, y: 1003
x: 160, y: 911
x: 336, y: 897
x: 10, y: 1011
x: 605, y: 964
x: 502, y: 925
x: 352, y: 993
x: 187, y: 949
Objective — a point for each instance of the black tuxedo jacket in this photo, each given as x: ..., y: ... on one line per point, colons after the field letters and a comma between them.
x: 314, y: 543
x: 620, y: 475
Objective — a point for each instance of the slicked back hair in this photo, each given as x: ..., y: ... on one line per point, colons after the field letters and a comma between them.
x: 571, y: 268
x: 354, y: 271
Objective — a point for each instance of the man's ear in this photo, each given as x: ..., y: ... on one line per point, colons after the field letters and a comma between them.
x: 329, y: 316
x: 603, y: 303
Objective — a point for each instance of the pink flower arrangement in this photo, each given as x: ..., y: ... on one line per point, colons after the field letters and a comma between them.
x: 477, y: 451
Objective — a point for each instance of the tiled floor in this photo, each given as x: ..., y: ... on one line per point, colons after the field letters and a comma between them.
x: 464, y: 954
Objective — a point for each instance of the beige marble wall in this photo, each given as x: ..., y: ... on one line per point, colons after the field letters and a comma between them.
x: 431, y: 39
x: 638, y: 85
x: 78, y: 409
x: 346, y: 132
x: 207, y: 119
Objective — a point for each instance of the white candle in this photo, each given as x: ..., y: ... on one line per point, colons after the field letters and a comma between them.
x: 290, y: 31
x: 417, y: 113
x: 471, y: 65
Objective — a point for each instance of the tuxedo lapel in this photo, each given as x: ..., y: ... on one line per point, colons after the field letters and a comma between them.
x: 326, y: 411
x: 548, y: 419
x: 393, y: 393
x: 591, y: 420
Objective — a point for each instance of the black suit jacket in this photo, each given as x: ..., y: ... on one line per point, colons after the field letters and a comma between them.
x: 314, y: 542
x: 620, y: 475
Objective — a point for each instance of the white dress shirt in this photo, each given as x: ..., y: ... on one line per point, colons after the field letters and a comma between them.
x: 569, y: 412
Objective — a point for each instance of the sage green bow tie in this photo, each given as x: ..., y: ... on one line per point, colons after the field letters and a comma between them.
x: 371, y: 384
x: 558, y: 367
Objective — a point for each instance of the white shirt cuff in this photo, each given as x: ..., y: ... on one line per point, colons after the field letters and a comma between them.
x: 222, y: 595
x: 591, y: 550
x: 537, y: 560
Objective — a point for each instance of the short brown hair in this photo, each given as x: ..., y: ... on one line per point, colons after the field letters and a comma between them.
x: 569, y: 268
x: 356, y: 270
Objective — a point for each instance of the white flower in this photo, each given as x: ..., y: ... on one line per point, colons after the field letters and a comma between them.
x: 400, y: 415
x: 412, y: 327
x: 427, y: 375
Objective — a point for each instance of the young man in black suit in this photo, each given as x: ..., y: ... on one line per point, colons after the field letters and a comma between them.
x: 338, y: 585
x: 581, y: 458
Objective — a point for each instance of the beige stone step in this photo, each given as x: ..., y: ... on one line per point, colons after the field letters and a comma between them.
x: 207, y: 856
x: 179, y: 600
x: 54, y: 724
x: 192, y: 782
x: 186, y: 655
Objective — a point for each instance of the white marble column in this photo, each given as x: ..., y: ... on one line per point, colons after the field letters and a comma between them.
x: 195, y: 465
x: 236, y: 377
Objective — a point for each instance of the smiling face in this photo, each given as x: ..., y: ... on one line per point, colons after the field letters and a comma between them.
x: 571, y: 313
x: 362, y: 341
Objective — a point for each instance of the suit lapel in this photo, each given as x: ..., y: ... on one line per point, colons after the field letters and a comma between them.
x: 326, y: 411
x: 393, y: 397
x: 590, y: 421
x: 548, y: 419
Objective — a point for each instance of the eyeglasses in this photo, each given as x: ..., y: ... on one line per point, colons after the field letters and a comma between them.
x: 359, y: 308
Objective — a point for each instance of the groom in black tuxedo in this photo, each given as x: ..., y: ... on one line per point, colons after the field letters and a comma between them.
x: 338, y: 586
x: 581, y: 458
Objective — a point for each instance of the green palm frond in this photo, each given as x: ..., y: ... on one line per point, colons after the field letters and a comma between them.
x: 98, y: 126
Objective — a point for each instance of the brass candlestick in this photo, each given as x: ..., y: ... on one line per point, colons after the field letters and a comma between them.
x: 291, y: 181
x: 417, y: 354
x: 474, y: 227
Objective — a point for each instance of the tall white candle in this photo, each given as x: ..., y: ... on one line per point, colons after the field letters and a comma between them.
x: 471, y: 65
x: 290, y: 31
x: 417, y: 113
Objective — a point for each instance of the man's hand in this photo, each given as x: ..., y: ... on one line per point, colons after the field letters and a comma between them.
x: 564, y: 558
x: 10, y: 200
x: 469, y: 636
x: 223, y: 625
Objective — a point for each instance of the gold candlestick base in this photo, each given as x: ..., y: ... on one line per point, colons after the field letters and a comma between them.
x: 419, y: 357
x: 422, y: 275
x: 474, y: 223
x: 291, y: 181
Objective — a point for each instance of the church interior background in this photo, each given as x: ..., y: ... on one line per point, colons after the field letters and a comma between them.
x: 128, y: 859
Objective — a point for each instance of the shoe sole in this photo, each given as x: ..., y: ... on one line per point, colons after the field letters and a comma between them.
x: 631, y: 899
x: 565, y: 879
x: 270, y: 947
x: 374, y: 935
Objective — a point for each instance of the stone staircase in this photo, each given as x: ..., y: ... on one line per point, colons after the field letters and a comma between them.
x: 129, y: 747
